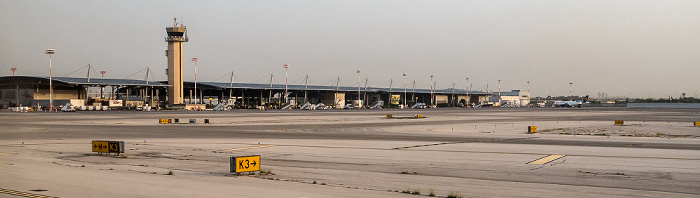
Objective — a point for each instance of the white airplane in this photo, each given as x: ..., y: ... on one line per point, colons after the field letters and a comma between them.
x: 570, y: 103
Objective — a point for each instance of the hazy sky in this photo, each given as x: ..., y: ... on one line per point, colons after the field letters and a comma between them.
x: 637, y: 48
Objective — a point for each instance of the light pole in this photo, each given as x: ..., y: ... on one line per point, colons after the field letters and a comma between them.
x: 404, y: 90
x: 571, y: 93
x: 286, y: 66
x: 50, y: 52
x: 499, y: 91
x: 528, y: 87
x: 102, y: 89
x: 467, y: 90
x: 13, y: 70
x: 431, y: 91
x: 358, y: 88
x: 195, y: 59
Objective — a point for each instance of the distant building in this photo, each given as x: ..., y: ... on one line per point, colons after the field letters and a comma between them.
x: 514, y: 97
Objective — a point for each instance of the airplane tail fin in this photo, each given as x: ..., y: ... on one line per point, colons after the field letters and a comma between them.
x: 585, y: 99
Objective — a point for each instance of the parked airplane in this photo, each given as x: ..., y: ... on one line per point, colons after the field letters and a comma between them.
x: 570, y: 103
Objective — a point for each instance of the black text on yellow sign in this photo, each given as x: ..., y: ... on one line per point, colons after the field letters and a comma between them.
x: 108, y: 146
x: 99, y: 146
x: 697, y: 123
x: 165, y: 121
x: 619, y: 122
x: 245, y: 164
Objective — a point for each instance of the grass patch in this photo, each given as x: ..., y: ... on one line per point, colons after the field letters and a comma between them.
x: 416, y: 192
x: 266, y: 172
x: 314, y: 182
x: 432, y: 193
x: 170, y: 172
x: 454, y: 194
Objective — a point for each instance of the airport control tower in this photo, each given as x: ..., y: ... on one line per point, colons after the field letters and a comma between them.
x: 176, y: 36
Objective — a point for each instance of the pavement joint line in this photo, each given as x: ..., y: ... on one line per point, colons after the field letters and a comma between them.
x: 250, y: 147
x: 23, y: 194
x: 546, y: 159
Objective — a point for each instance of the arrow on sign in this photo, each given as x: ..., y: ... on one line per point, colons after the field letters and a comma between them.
x: 254, y: 163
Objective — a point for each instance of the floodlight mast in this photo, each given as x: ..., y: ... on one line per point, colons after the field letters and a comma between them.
x: 50, y: 52
x: 195, y: 59
x: 468, y: 97
x: 404, y: 90
x: 358, y: 87
x: 102, y: 89
x: 571, y: 93
x: 499, y: 91
x: 431, y: 91
x: 286, y: 67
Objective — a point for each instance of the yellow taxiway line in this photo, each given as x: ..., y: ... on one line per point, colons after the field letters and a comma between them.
x: 6, y: 154
x: 546, y: 159
x: 250, y: 147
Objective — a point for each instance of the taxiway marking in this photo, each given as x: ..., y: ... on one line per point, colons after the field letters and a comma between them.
x: 6, y: 154
x: 22, y: 194
x: 250, y: 147
x: 546, y: 159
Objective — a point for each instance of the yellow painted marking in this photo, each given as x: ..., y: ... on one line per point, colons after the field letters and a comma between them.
x: 23, y: 194
x: 6, y: 154
x: 250, y: 147
x: 3, y: 164
x: 547, y: 159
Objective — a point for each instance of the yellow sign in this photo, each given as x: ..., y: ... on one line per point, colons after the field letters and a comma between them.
x: 697, y: 123
x: 165, y: 121
x: 619, y: 122
x: 108, y: 146
x: 100, y: 146
x: 532, y: 129
x: 388, y: 115
x: 245, y: 164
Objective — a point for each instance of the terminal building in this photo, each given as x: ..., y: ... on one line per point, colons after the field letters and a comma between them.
x: 175, y: 93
